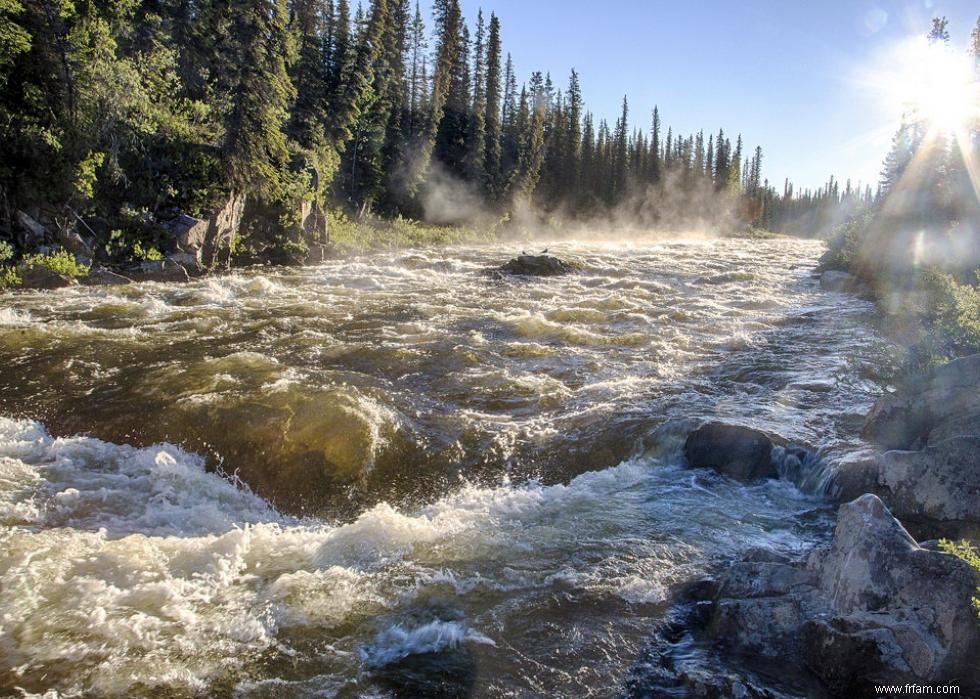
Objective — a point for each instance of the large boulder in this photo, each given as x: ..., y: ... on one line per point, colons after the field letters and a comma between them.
x: 936, y: 489
x: 898, y: 611
x: 102, y: 276
x: 222, y: 229
x: 907, y: 417
x: 199, y: 244
x: 732, y: 450
x: 188, y: 234
x: 536, y: 266
x: 873, y: 607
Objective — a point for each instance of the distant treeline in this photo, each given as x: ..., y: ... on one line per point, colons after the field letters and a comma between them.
x: 114, y: 113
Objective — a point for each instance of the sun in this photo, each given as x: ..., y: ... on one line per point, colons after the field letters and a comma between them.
x: 926, y: 81
x: 941, y: 88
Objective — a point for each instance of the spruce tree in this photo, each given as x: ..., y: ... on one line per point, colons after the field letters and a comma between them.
x: 476, y: 134
x: 255, y: 148
x: 492, y: 115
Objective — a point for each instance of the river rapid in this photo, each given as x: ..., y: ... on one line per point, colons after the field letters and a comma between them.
x: 395, y: 475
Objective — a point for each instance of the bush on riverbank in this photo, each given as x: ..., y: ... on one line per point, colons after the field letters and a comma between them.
x: 968, y: 553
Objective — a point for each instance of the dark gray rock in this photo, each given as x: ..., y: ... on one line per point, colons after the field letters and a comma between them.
x: 537, y: 266
x: 165, y: 270
x: 732, y: 450
x: 101, y: 276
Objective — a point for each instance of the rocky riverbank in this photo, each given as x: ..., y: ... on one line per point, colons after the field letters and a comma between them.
x: 875, y: 606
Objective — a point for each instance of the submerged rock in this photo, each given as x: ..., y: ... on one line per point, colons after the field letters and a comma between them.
x: 732, y: 450
x: 874, y: 607
x: 536, y: 266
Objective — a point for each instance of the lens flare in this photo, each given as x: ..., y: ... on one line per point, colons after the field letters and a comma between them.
x: 927, y: 81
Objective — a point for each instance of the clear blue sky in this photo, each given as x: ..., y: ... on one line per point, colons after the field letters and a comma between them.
x: 781, y: 72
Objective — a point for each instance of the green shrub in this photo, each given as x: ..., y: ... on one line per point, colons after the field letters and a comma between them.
x: 968, y: 553
x: 61, y: 262
x: 949, y: 319
x: 9, y: 277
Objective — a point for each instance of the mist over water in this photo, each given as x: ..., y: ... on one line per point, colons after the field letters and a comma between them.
x: 386, y: 414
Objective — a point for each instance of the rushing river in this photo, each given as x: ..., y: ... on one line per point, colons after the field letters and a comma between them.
x: 454, y: 485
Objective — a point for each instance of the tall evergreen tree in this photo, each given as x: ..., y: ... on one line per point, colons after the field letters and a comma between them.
x: 492, y: 114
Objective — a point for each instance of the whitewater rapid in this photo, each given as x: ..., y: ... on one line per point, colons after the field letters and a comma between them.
x: 396, y: 477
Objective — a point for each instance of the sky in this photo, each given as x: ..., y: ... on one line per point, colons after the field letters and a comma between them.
x: 789, y: 75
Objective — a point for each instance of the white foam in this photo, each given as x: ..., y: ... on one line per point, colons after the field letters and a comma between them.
x: 397, y: 642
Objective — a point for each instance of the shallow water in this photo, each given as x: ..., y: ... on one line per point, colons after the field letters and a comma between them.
x: 456, y: 485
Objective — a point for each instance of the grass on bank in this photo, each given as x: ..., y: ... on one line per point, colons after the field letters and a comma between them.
x: 372, y: 233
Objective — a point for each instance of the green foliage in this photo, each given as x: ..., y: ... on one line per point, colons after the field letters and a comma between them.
x: 9, y: 278
x: 6, y: 251
x: 372, y: 233
x: 150, y: 253
x: 948, y: 313
x: 61, y: 262
x: 964, y: 550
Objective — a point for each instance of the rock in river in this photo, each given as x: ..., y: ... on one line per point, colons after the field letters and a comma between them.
x: 732, y: 450
x: 536, y: 266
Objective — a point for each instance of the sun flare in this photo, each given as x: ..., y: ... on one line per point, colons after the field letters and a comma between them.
x: 932, y: 82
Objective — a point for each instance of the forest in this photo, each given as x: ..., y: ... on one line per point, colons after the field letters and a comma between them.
x: 117, y: 116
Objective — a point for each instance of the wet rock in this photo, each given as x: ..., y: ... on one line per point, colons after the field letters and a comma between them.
x: 40, y: 277
x: 949, y: 392
x: 872, y: 607
x: 165, y: 270
x: 732, y: 450
x: 102, y: 276
x: 536, y: 266
x: 841, y: 282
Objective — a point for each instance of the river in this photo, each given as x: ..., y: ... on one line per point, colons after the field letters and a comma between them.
x: 395, y: 475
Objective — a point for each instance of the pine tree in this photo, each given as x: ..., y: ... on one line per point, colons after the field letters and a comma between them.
x: 476, y: 134
x: 452, y: 133
x: 656, y: 158
x: 255, y: 141
x: 620, y: 160
x: 492, y: 115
